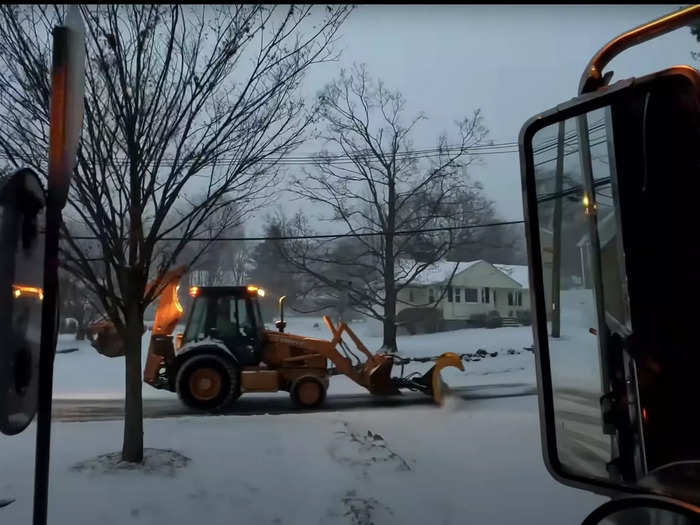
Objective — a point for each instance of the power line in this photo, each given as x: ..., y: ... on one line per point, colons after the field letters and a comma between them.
x: 322, y: 236
x: 501, y: 148
x: 570, y: 152
x: 572, y: 190
x: 287, y: 160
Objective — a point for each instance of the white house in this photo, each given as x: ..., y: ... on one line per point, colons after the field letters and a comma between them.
x: 476, y: 287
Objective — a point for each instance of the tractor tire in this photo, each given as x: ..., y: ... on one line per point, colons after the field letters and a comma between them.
x: 308, y: 392
x: 208, y: 382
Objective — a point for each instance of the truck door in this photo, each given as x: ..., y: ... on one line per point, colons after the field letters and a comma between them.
x: 235, y: 327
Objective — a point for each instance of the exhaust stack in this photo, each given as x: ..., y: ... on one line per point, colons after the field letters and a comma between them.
x: 281, y: 324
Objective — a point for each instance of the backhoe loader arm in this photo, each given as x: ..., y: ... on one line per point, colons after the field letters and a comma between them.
x: 374, y: 373
x: 338, y: 334
x: 168, y: 313
x: 107, y: 341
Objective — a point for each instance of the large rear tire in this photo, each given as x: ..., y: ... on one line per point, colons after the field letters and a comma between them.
x: 208, y: 382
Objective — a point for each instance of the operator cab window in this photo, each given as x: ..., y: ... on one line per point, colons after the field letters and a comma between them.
x: 226, y: 317
x: 232, y: 319
x: 195, y: 328
x: 245, y: 323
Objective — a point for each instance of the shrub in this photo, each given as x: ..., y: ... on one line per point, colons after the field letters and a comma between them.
x: 415, y: 319
x: 524, y: 317
x: 477, y: 320
x: 493, y: 319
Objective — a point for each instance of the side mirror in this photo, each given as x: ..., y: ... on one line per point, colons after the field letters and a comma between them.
x: 610, y: 188
x: 22, y: 223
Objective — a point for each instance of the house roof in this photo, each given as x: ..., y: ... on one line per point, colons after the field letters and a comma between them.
x: 440, y: 271
x: 516, y: 272
x: 436, y: 273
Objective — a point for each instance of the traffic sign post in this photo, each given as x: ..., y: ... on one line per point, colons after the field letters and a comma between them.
x: 66, y: 114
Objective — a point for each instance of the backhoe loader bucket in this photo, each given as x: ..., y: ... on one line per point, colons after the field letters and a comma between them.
x: 439, y: 387
x: 105, y: 339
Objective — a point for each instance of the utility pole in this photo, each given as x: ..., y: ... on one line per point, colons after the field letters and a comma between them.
x: 556, y: 235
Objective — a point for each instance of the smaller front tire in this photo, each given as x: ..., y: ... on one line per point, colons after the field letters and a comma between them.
x: 208, y: 382
x: 308, y: 392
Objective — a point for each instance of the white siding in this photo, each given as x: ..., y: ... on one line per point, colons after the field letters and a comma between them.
x: 419, y: 296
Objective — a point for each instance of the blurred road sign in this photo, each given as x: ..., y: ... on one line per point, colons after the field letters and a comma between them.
x: 67, y: 103
x: 22, y: 219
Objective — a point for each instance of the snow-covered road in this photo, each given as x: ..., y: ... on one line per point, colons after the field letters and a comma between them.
x: 103, y: 409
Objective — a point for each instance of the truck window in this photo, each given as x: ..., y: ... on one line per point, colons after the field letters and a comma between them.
x: 195, y: 328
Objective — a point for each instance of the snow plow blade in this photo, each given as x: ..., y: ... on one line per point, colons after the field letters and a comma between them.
x: 438, y: 385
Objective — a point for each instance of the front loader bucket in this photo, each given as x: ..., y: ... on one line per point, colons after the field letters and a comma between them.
x: 438, y: 385
x: 380, y: 382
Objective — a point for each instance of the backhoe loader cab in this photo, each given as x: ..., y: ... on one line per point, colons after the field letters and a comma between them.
x: 230, y: 314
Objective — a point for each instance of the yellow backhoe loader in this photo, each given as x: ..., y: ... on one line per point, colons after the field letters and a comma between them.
x: 225, y: 351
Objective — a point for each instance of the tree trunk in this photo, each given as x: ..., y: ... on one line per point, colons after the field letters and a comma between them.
x: 389, y: 343
x: 132, y: 449
x: 389, y: 321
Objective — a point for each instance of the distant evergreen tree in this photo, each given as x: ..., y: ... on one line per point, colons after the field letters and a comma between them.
x: 270, y: 271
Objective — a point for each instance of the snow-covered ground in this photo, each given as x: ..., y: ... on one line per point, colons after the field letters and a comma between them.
x: 574, y: 356
x: 475, y: 462
x: 87, y: 374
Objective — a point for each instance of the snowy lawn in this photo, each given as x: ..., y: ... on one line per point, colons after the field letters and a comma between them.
x: 87, y: 374
x: 470, y: 462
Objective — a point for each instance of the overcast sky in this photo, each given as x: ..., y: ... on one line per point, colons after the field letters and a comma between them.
x: 510, y: 61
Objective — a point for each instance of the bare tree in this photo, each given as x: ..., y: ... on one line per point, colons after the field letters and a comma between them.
x: 76, y: 302
x: 187, y: 109
x: 503, y: 244
x: 379, y: 185
x: 225, y: 263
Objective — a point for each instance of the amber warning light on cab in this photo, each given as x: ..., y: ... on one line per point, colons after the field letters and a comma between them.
x: 254, y: 289
x: 18, y: 291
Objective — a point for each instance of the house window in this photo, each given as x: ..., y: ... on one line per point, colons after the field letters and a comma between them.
x: 458, y: 298
x: 510, y: 298
x: 410, y: 296
x: 431, y: 295
x: 449, y: 294
x: 470, y: 295
x: 486, y: 295
x: 519, y: 298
